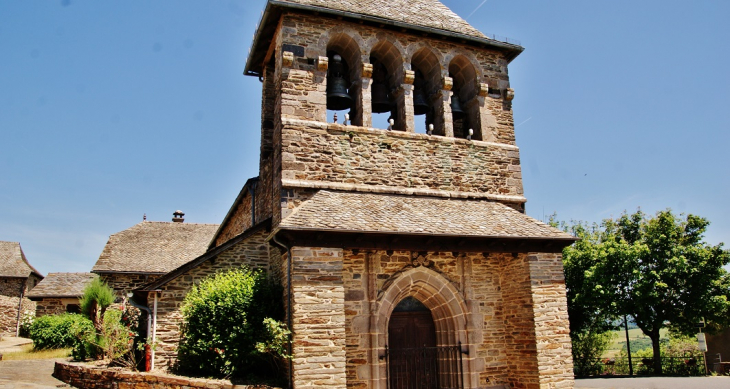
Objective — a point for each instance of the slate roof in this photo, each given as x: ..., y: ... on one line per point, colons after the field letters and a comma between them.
x: 385, y: 213
x: 154, y: 247
x: 424, y: 13
x: 61, y: 285
x: 13, y: 262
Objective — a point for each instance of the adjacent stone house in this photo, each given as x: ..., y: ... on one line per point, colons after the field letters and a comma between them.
x: 145, y: 251
x: 406, y: 258
x: 60, y: 293
x: 17, y: 277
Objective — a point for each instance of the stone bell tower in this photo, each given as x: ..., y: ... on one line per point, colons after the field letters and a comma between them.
x: 393, y: 242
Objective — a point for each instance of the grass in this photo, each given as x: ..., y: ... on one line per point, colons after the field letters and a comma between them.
x: 28, y: 352
x: 638, y: 341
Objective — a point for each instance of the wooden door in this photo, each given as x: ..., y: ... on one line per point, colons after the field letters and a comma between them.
x: 412, y: 350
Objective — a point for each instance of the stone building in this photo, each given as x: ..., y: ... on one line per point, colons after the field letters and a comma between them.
x: 17, y: 277
x: 60, y: 293
x: 406, y: 258
x: 145, y: 251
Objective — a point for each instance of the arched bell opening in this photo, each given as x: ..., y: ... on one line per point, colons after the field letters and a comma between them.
x: 465, y: 107
x: 343, y: 79
x: 426, y: 91
x: 387, y: 77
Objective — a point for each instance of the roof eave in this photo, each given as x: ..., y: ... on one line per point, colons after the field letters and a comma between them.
x: 357, y: 239
x: 274, y: 7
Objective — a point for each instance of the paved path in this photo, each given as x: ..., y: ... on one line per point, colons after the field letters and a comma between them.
x: 29, y: 374
x: 12, y: 343
x: 655, y: 383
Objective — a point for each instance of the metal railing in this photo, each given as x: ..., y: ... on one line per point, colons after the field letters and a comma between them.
x: 671, y: 366
x: 425, y: 368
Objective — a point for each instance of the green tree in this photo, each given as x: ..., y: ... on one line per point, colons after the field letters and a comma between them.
x: 656, y: 270
x: 97, y: 297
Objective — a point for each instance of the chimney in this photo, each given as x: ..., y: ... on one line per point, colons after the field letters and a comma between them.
x: 177, y: 216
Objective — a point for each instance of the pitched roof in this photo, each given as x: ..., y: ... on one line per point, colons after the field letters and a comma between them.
x: 424, y: 13
x: 154, y: 247
x: 423, y: 16
x: 61, y: 285
x: 212, y: 253
x: 395, y: 214
x: 13, y: 262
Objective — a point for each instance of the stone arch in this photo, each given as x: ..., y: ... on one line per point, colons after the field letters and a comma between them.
x: 448, y: 309
x: 348, y: 45
x: 437, y: 294
x: 466, y: 78
x: 386, y: 57
x: 427, y: 66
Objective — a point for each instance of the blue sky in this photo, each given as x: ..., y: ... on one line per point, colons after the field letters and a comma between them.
x: 110, y: 110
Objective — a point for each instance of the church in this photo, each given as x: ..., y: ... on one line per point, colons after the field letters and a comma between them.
x: 405, y: 253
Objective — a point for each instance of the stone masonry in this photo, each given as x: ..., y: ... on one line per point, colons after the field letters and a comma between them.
x: 359, y: 219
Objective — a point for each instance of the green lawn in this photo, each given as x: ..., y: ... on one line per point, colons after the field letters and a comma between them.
x: 638, y: 341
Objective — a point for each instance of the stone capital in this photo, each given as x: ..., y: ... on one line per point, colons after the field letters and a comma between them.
x: 510, y: 94
x: 482, y: 89
x: 448, y: 83
x: 367, y: 70
x: 409, y: 76
x: 287, y: 59
x: 322, y: 63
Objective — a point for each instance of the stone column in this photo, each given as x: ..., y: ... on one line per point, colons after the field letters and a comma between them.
x: 364, y: 115
x: 443, y: 122
x: 404, y: 113
x: 318, y: 318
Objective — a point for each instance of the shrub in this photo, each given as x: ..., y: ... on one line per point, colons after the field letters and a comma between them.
x: 26, y: 319
x: 224, y: 320
x: 116, y: 341
x: 59, y: 331
x: 587, y: 349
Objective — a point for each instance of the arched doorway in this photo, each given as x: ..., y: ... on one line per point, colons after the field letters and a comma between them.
x: 415, y: 361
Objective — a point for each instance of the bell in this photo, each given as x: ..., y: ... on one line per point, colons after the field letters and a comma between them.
x: 381, y: 102
x: 420, y: 106
x: 456, y: 107
x: 337, y: 96
x: 380, y: 99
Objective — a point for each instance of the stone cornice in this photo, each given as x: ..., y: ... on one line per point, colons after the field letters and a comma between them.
x: 290, y: 183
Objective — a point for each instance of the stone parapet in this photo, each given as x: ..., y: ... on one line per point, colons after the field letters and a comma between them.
x: 431, y: 165
x: 93, y: 377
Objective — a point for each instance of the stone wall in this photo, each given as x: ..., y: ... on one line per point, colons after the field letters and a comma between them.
x: 319, y: 155
x: 253, y: 252
x: 490, y: 303
x: 318, y: 318
x: 552, y: 330
x: 122, y: 283
x: 11, y: 287
x: 53, y: 306
x: 9, y: 313
x: 94, y: 377
x: 239, y: 221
